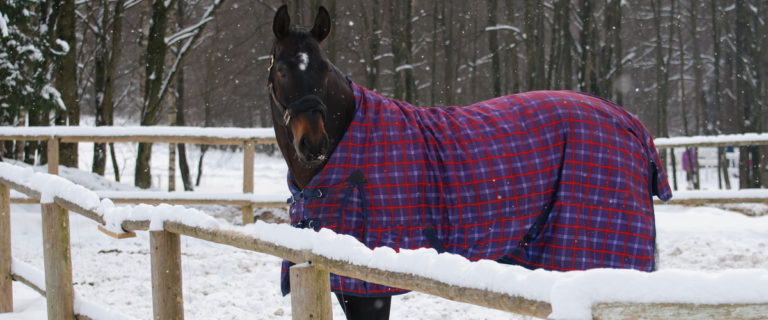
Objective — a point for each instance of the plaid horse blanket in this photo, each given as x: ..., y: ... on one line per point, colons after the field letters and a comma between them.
x: 558, y: 180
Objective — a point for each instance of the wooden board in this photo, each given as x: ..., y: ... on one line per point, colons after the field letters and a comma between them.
x: 124, y: 235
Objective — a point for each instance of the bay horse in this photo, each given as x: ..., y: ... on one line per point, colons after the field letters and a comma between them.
x: 558, y: 180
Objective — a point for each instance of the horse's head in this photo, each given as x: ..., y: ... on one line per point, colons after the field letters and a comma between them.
x: 299, y: 84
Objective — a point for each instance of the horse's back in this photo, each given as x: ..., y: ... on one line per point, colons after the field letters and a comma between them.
x: 581, y: 160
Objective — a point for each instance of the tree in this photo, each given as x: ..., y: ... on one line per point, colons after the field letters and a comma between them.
x: 493, y: 48
x: 372, y: 25
x: 65, y: 76
x: 401, y: 33
x: 180, y: 119
x: 559, y: 73
x: 156, y: 80
x: 698, y: 87
x: 27, y: 52
x: 534, y: 44
x: 746, y: 75
x: 108, y: 49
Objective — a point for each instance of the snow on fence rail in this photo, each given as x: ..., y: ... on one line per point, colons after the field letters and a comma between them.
x: 599, y: 294
x: 247, y: 137
x: 726, y: 140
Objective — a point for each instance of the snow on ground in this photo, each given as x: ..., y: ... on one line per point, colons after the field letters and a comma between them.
x: 221, y: 282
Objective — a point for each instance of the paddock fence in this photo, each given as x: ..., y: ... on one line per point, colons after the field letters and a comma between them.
x: 722, y: 196
x: 310, y: 289
x: 245, y: 138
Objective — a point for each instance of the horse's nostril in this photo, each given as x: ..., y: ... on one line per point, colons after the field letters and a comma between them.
x: 326, y: 142
x: 303, y: 143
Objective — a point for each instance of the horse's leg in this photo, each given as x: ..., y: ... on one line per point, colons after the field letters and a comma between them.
x: 358, y: 308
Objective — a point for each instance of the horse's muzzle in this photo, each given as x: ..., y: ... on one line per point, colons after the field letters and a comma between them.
x: 313, y: 151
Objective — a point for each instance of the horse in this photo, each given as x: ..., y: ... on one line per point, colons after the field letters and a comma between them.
x: 558, y: 180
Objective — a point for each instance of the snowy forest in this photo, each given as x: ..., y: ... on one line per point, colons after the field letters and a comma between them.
x: 683, y: 67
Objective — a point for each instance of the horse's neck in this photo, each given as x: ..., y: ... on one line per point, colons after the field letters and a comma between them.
x: 340, y: 100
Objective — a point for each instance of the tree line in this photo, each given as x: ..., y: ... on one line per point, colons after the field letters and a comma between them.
x: 684, y: 67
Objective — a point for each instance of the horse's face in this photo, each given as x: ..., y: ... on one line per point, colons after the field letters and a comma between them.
x: 298, y: 74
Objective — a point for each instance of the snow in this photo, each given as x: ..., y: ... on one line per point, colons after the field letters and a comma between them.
x: 727, y: 138
x: 156, y: 215
x: 707, y: 255
x: 35, y: 53
x: 63, y: 45
x: 3, y: 25
x: 722, y: 194
x: 50, y: 93
x: 502, y: 27
x: 49, y: 186
x: 403, y: 67
x: 161, y: 195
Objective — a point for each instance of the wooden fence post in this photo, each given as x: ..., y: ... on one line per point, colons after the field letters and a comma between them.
x: 53, y: 155
x: 58, y: 262
x: 249, y: 148
x: 6, y: 283
x: 310, y: 293
x: 165, y: 254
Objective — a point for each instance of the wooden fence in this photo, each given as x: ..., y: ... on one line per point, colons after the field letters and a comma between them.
x: 696, y: 197
x: 310, y: 290
x: 247, y: 138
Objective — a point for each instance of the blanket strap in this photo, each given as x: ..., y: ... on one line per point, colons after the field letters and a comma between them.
x: 517, y: 255
x: 652, y: 189
x: 431, y: 234
x: 306, y: 194
x: 356, y: 180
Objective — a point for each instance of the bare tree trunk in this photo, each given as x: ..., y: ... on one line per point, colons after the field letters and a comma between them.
x: 493, y: 48
x: 106, y: 60
x: 400, y: 35
x: 722, y: 163
x: 180, y: 121
x: 749, y: 157
x: 433, y: 90
x: 534, y: 44
x: 449, y: 42
x: 588, y: 43
x: 157, y: 81
x: 559, y: 72
x: 698, y: 87
x: 411, y: 93
x: 373, y: 25
x: 514, y: 70
x: 153, y: 78
x: 65, y: 74
x: 662, y: 80
x: 473, y: 78
x: 610, y: 75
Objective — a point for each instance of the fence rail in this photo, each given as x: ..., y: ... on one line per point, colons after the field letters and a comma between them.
x: 245, y: 137
x: 166, y: 286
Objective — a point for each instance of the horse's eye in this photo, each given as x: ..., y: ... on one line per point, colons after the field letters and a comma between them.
x: 281, y: 71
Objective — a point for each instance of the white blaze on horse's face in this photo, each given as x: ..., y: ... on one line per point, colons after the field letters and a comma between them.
x: 303, y: 61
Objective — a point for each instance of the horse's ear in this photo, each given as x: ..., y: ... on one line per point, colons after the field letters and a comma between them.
x: 282, y: 23
x: 322, y: 25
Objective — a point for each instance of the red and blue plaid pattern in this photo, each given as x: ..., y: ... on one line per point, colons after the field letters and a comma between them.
x: 478, y: 177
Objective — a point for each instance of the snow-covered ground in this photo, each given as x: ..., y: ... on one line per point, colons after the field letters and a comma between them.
x: 221, y: 282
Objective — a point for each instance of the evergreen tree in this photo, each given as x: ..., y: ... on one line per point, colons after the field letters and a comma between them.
x: 26, y: 55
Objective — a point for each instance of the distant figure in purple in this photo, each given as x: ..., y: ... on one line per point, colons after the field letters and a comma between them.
x: 689, y: 166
